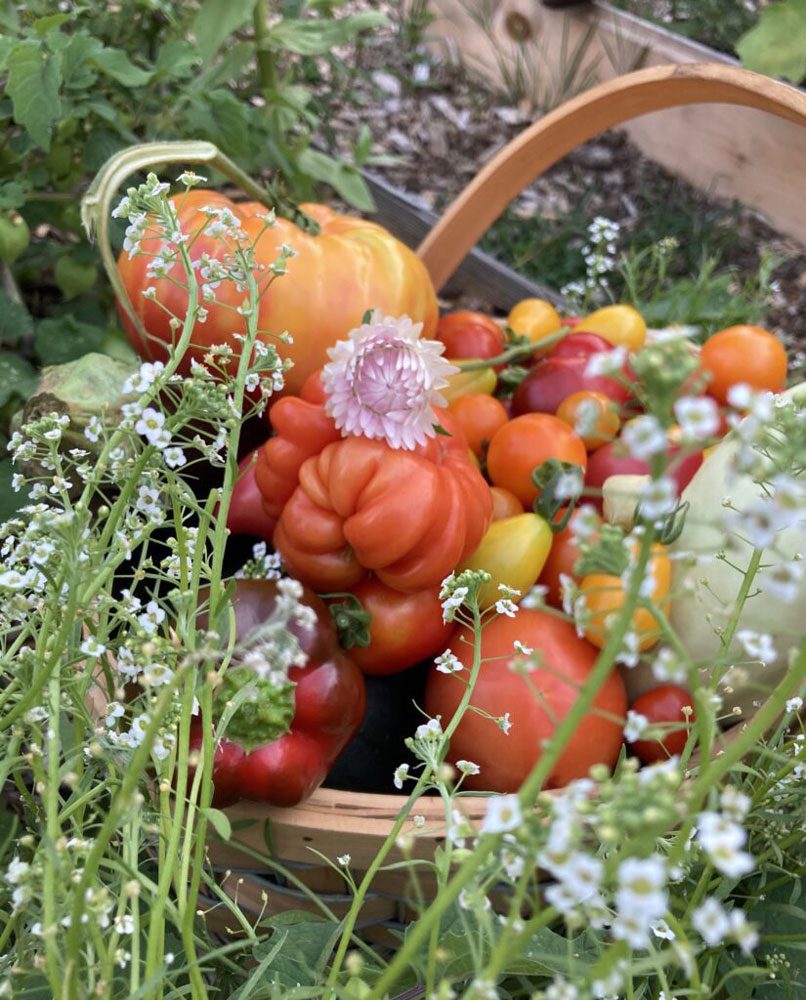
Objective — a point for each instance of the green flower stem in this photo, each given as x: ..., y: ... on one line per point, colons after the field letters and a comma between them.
x: 52, y: 825
x: 265, y: 59
x: 741, y: 597
x: 358, y: 900
x: 518, y: 351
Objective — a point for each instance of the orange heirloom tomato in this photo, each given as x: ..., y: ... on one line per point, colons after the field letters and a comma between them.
x: 747, y: 354
x: 408, y: 516
x: 605, y: 595
x: 350, y: 266
x: 526, y: 442
x: 534, y: 319
x: 505, y: 504
x: 479, y: 416
x: 594, y: 416
x: 621, y: 325
x: 535, y: 704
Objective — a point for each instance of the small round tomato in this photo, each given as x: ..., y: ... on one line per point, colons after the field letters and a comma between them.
x: 579, y: 345
x: 663, y: 707
x: 594, y: 416
x: 534, y: 704
x: 534, y: 319
x: 404, y: 628
x: 523, y: 444
x: 747, y: 354
x: 620, y: 325
x: 513, y: 551
x: 470, y: 335
x: 561, y: 561
x: 605, y: 595
x: 552, y: 380
x: 505, y: 504
x: 479, y: 416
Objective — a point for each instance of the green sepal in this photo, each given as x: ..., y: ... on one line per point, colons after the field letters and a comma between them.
x: 352, y: 621
x: 545, y: 478
x: 264, y: 714
x: 608, y: 554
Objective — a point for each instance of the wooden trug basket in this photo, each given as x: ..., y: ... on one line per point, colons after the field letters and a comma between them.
x: 335, y: 823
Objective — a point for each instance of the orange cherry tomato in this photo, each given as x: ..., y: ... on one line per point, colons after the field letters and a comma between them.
x: 561, y: 561
x: 479, y: 416
x: 534, y: 319
x: 744, y: 353
x: 594, y: 416
x: 523, y: 444
x: 505, y: 504
x: 605, y: 595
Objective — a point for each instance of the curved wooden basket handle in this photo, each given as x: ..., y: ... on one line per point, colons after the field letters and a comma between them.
x: 551, y: 138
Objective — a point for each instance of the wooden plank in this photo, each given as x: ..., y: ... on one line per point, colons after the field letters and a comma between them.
x: 734, y: 153
x: 479, y: 274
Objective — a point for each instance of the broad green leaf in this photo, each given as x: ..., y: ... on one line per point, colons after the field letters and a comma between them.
x: 777, y: 44
x: 176, y: 59
x: 216, y: 21
x: 76, y: 70
x: 17, y: 378
x: 228, y: 68
x: 34, y: 76
x: 342, y: 177
x: 12, y: 195
x: 64, y: 339
x: 219, y: 822
x: 6, y: 45
x: 15, y: 322
x: 307, y: 944
x: 116, y: 64
x: 42, y: 25
x: 314, y: 37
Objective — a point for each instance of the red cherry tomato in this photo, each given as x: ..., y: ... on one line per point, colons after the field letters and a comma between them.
x: 605, y: 462
x: 579, y: 345
x: 664, y: 704
x: 523, y: 444
x: 551, y: 382
x: 470, y: 335
x: 535, y: 703
x: 561, y: 561
x: 404, y: 629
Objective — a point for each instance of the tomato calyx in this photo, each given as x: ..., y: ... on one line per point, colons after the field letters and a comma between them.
x: 547, y: 477
x: 351, y: 619
x: 671, y: 527
x: 263, y: 707
x: 608, y: 554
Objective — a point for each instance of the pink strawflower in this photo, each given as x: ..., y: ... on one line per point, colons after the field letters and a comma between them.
x: 383, y: 381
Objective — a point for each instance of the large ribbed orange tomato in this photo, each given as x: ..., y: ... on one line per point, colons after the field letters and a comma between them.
x: 350, y: 266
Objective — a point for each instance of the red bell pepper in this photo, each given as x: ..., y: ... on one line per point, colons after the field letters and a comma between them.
x: 324, y: 710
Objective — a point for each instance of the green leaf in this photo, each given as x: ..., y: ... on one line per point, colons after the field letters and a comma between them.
x: 117, y: 65
x: 313, y: 37
x: 66, y: 339
x: 6, y: 45
x: 342, y: 177
x: 307, y: 944
x: 219, y: 822
x: 15, y: 321
x: 10, y: 500
x: 34, y: 77
x: 777, y: 44
x: 12, y: 195
x: 216, y: 21
x: 77, y: 73
x: 42, y: 25
x: 17, y: 378
x: 176, y: 60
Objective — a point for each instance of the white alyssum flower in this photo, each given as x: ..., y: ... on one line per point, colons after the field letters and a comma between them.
x: 668, y: 667
x: 722, y: 839
x: 757, y: 645
x: 641, y: 898
x: 467, y: 767
x: 503, y: 814
x: 91, y: 647
x: 448, y: 663
x: 783, y: 580
x: 644, y: 437
x: 400, y: 775
x: 657, y: 498
x: 151, y: 618
x: 698, y: 417
x: 711, y: 922
x: 635, y: 726
x: 606, y: 362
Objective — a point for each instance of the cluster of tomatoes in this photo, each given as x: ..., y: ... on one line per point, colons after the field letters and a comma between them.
x: 511, y: 432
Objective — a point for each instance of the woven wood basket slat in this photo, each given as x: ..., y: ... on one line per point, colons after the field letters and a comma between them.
x: 336, y: 822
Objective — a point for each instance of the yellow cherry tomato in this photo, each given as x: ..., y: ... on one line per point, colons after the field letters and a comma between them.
x: 513, y: 551
x: 478, y: 380
x: 605, y: 594
x: 534, y: 319
x: 621, y: 325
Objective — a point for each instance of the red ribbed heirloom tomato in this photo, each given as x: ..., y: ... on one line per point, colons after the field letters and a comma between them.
x: 408, y: 516
x: 352, y: 265
x: 535, y: 703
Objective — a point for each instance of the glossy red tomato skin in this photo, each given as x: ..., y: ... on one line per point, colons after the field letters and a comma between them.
x: 470, y: 338
x: 552, y: 381
x: 246, y: 515
x: 505, y: 760
x: 606, y: 462
x: 404, y: 629
x: 579, y: 345
x: 664, y: 704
